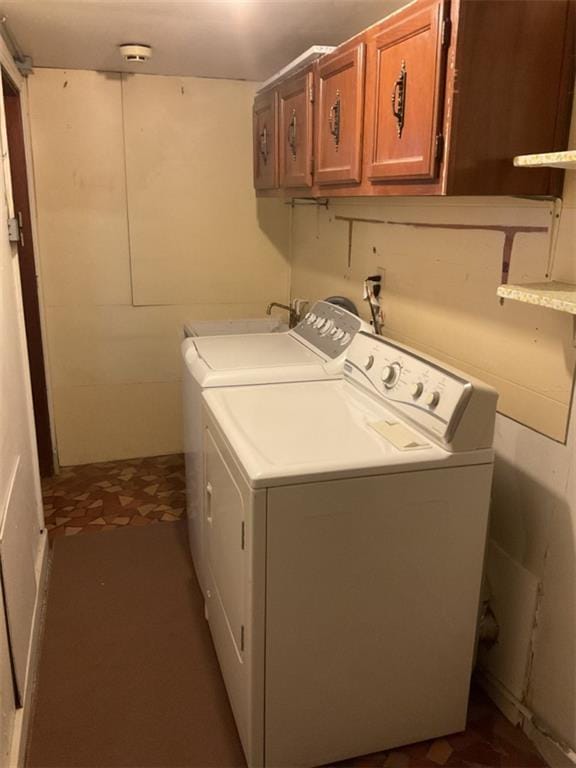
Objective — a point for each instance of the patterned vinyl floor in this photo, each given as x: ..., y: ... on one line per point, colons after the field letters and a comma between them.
x: 113, y: 494
x: 102, y: 497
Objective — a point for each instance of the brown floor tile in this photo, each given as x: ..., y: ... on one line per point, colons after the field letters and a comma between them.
x: 114, y: 494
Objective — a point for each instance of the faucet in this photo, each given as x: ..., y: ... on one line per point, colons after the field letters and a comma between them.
x: 294, y: 316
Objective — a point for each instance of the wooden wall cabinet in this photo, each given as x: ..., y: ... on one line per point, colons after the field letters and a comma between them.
x: 405, y: 89
x: 339, y: 108
x: 436, y: 99
x: 295, y: 98
x: 265, y: 137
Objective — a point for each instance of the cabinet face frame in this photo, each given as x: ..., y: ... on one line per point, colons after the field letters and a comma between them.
x: 295, y: 125
x: 265, y: 140
x: 421, y: 160
x: 339, y: 117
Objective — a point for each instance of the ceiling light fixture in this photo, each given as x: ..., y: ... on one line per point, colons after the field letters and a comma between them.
x: 135, y: 52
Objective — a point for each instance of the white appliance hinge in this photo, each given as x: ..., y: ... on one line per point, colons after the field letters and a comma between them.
x: 446, y: 30
x: 243, y: 536
x: 242, y: 637
x: 15, y: 234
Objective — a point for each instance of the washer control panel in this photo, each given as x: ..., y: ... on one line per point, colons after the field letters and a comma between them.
x: 330, y: 329
x: 421, y: 389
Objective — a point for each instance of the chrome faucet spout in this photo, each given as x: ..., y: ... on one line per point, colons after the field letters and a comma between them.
x: 294, y: 319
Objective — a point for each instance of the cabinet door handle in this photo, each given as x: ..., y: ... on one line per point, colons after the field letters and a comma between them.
x: 334, y: 120
x: 209, y: 503
x: 264, y: 144
x: 399, y: 99
x: 292, y: 134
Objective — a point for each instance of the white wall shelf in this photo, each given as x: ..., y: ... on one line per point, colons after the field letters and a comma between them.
x: 552, y: 295
x: 549, y: 159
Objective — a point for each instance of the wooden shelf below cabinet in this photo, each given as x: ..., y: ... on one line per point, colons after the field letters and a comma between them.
x: 548, y: 160
x: 553, y: 295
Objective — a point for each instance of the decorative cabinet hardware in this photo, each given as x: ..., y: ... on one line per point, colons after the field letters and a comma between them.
x: 295, y: 115
x: 292, y: 134
x: 399, y: 99
x: 339, y: 111
x: 401, y: 148
x: 265, y: 141
x: 264, y: 144
x: 405, y: 108
x: 334, y: 120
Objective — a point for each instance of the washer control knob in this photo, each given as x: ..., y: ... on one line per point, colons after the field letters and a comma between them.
x: 310, y: 317
x: 388, y: 374
x: 326, y: 328
x: 432, y: 399
x: 416, y: 389
x: 338, y: 335
x: 345, y: 339
x: 369, y: 362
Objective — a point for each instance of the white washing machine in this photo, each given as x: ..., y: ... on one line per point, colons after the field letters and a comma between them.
x: 235, y: 327
x: 345, y: 532
x: 314, y: 349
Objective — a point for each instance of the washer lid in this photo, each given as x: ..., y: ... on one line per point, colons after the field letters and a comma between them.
x: 305, y: 431
x: 256, y: 350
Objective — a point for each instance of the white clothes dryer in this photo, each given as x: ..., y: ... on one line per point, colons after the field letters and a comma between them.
x: 344, y: 540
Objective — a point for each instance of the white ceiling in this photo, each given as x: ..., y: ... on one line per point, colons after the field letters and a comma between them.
x: 239, y: 39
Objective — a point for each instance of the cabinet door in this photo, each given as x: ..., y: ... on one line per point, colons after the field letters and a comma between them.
x: 295, y: 141
x: 265, y: 141
x: 404, y: 93
x: 339, y: 117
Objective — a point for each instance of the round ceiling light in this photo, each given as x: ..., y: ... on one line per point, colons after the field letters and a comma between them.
x: 135, y: 52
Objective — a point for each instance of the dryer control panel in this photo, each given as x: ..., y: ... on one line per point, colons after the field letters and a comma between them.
x: 428, y: 393
x: 329, y: 329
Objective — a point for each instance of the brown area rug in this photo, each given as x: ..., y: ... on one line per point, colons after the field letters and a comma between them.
x: 128, y: 675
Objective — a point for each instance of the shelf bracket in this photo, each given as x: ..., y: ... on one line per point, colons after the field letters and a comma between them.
x: 555, y: 226
x: 320, y: 202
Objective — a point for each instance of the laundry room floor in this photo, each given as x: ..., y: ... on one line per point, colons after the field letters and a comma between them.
x: 128, y: 675
x: 113, y: 494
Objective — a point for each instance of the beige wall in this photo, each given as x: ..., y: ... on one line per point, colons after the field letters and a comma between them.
x: 439, y: 290
x: 146, y: 218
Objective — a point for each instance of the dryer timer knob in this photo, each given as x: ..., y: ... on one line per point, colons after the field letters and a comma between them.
x: 416, y: 389
x: 432, y: 399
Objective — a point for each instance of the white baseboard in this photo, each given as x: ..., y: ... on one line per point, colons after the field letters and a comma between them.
x: 557, y: 755
x: 22, y: 717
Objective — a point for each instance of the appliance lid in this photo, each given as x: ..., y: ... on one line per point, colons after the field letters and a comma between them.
x: 316, y: 430
x: 253, y: 351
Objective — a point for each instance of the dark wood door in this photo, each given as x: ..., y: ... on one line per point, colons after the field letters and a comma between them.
x: 339, y: 116
x: 28, y: 279
x: 265, y: 128
x: 405, y: 76
x: 295, y: 139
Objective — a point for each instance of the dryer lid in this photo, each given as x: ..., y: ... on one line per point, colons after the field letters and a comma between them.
x: 315, y: 430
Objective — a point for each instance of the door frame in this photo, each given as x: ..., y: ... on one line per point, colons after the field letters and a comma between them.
x: 19, y: 172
